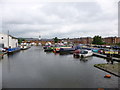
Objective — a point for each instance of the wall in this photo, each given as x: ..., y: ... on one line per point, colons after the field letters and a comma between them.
x: 112, y: 40
x: 13, y: 42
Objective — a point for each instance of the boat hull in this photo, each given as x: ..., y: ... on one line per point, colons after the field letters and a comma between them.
x: 12, y: 50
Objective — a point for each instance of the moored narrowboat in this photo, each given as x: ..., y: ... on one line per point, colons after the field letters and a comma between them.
x: 57, y: 49
x: 67, y: 50
x: 49, y: 49
x: 12, y: 50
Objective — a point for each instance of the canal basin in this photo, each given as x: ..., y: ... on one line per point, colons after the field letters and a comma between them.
x: 33, y: 68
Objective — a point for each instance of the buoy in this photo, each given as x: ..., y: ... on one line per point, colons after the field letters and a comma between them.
x: 107, y: 76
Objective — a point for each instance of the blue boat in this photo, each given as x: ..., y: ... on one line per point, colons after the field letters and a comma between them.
x: 67, y: 50
x: 95, y: 50
x: 12, y: 50
x: 78, y: 46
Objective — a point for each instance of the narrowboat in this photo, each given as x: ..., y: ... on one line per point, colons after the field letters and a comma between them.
x: 76, y: 53
x: 67, y: 50
x: 114, y: 52
x: 95, y: 50
x: 24, y: 47
x: 47, y: 49
x: 12, y: 50
x: 57, y: 49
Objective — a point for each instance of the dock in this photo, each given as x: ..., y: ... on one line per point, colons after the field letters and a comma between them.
x: 104, y: 56
x: 112, y: 69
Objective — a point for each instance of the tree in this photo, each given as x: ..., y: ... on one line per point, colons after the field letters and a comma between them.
x: 118, y: 44
x: 20, y: 40
x: 56, y: 40
x: 98, y: 40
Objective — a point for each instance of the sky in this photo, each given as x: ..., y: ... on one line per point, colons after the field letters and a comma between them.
x: 62, y: 19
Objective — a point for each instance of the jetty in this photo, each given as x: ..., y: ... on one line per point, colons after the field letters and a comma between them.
x: 110, y: 68
x: 105, y: 56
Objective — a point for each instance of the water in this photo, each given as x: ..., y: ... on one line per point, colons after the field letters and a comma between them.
x: 33, y: 68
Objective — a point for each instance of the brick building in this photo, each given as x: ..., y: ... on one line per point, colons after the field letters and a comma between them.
x: 112, y: 40
x: 82, y: 40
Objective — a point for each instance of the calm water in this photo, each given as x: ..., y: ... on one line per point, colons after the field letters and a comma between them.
x: 33, y: 68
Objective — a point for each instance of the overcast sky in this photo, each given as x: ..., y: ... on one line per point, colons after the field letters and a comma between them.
x: 31, y: 18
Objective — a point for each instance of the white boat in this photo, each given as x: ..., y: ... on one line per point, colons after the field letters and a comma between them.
x: 24, y: 47
x: 85, y: 53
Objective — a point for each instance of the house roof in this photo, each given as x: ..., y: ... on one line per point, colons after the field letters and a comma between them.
x: 9, y: 35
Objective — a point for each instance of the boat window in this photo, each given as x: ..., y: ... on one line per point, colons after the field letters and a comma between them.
x: 84, y: 52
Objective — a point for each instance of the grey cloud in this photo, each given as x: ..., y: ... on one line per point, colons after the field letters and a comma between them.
x: 57, y: 19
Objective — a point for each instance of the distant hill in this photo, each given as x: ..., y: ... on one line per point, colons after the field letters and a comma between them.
x: 36, y: 39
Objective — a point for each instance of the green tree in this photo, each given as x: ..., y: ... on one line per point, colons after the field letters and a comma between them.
x: 20, y: 40
x: 98, y: 40
x: 56, y: 40
x: 118, y: 44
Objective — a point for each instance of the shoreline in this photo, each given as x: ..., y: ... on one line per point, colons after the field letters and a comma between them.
x: 110, y: 68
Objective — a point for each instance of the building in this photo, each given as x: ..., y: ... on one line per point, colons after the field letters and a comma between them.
x: 82, y: 40
x: 36, y: 41
x: 86, y: 40
x: 8, y: 41
x: 112, y: 40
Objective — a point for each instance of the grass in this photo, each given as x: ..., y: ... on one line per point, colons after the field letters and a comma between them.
x: 114, y: 68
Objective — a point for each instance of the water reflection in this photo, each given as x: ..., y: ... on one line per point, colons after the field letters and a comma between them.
x: 1, y: 74
x: 48, y: 52
x: 84, y: 59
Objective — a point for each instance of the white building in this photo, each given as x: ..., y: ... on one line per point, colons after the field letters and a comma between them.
x: 8, y: 41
